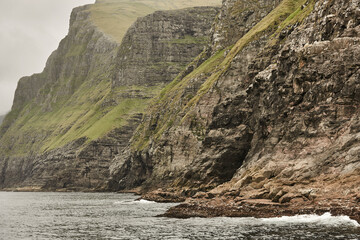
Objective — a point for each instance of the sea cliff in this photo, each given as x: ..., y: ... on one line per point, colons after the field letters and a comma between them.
x: 247, y: 110
x: 68, y: 122
x: 269, y: 111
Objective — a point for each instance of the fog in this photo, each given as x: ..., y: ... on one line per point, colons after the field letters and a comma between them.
x: 30, y: 31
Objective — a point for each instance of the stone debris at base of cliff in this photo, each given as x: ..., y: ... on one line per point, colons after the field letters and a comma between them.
x: 274, y: 116
x: 263, y: 123
x: 262, y: 208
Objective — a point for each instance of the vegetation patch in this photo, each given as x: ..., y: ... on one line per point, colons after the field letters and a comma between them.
x: 123, y: 13
x: 287, y: 12
x: 76, y: 50
x: 187, y: 39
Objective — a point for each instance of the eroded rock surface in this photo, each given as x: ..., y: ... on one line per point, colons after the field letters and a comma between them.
x: 275, y: 117
x: 68, y: 122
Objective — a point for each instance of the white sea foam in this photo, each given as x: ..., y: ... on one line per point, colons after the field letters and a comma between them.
x: 143, y: 201
x: 325, y: 219
x: 127, y: 202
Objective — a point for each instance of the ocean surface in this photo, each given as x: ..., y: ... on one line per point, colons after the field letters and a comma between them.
x: 119, y: 216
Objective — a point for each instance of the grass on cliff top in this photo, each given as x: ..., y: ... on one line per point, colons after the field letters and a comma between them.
x: 114, y: 17
x: 286, y: 13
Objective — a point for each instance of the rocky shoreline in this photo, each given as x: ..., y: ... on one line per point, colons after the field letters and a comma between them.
x: 225, y: 206
x: 207, y: 205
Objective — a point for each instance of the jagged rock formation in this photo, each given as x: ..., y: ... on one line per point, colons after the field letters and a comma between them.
x: 174, y: 136
x: 68, y: 122
x: 273, y: 117
x: 266, y: 117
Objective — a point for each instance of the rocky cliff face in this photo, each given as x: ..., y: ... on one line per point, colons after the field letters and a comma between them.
x: 173, y: 135
x: 275, y: 116
x: 2, y: 118
x: 157, y: 47
x: 68, y: 122
x: 50, y: 107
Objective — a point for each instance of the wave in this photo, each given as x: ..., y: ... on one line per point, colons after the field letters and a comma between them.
x: 325, y: 219
x: 131, y: 202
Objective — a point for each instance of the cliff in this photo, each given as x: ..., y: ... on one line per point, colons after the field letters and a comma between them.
x: 68, y: 122
x: 260, y: 119
x: 272, y: 116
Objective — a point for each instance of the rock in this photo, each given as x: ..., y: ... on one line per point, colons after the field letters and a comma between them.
x: 275, y: 106
x: 257, y: 208
x: 306, y: 192
x: 163, y: 196
x: 90, y: 80
x: 274, y: 191
x: 158, y: 46
x: 278, y: 196
x: 209, y: 144
x: 288, y: 197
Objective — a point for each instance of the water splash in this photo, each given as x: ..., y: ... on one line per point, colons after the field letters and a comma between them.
x: 325, y: 219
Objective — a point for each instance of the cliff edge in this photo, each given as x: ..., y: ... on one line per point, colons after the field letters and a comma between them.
x: 68, y: 122
x: 273, y: 116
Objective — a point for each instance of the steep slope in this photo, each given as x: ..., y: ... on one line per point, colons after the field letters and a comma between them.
x: 122, y: 13
x: 275, y: 116
x: 68, y: 122
x: 52, y: 108
x: 2, y: 118
x: 172, y: 131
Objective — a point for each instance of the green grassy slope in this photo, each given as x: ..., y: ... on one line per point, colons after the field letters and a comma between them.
x: 288, y: 12
x: 91, y: 108
x: 2, y: 118
x: 114, y: 17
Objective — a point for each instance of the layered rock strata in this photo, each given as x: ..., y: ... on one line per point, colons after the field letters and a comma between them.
x: 68, y: 122
x: 273, y: 117
x: 157, y: 47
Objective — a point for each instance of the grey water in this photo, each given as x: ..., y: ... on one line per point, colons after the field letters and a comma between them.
x: 119, y: 216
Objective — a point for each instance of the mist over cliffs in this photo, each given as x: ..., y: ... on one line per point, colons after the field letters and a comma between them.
x: 253, y: 100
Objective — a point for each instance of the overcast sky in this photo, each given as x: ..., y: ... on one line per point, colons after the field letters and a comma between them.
x: 29, y: 31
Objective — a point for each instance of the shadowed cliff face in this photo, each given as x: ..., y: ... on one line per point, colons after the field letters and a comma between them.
x: 178, y: 149
x: 276, y: 114
x: 306, y: 116
x: 68, y: 122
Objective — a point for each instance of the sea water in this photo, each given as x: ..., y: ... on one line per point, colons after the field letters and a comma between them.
x: 120, y: 216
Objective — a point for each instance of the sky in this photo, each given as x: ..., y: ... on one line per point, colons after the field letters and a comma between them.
x: 30, y: 30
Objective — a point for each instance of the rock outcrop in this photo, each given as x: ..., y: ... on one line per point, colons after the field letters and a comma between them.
x: 174, y: 135
x: 263, y: 122
x: 275, y: 116
x: 68, y: 122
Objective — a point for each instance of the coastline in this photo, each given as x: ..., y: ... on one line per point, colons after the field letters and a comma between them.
x: 206, y: 205
x: 225, y: 206
x: 261, y: 208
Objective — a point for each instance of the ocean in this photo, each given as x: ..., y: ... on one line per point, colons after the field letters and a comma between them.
x: 32, y: 215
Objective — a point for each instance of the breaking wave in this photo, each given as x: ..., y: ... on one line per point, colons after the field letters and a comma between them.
x: 325, y: 219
